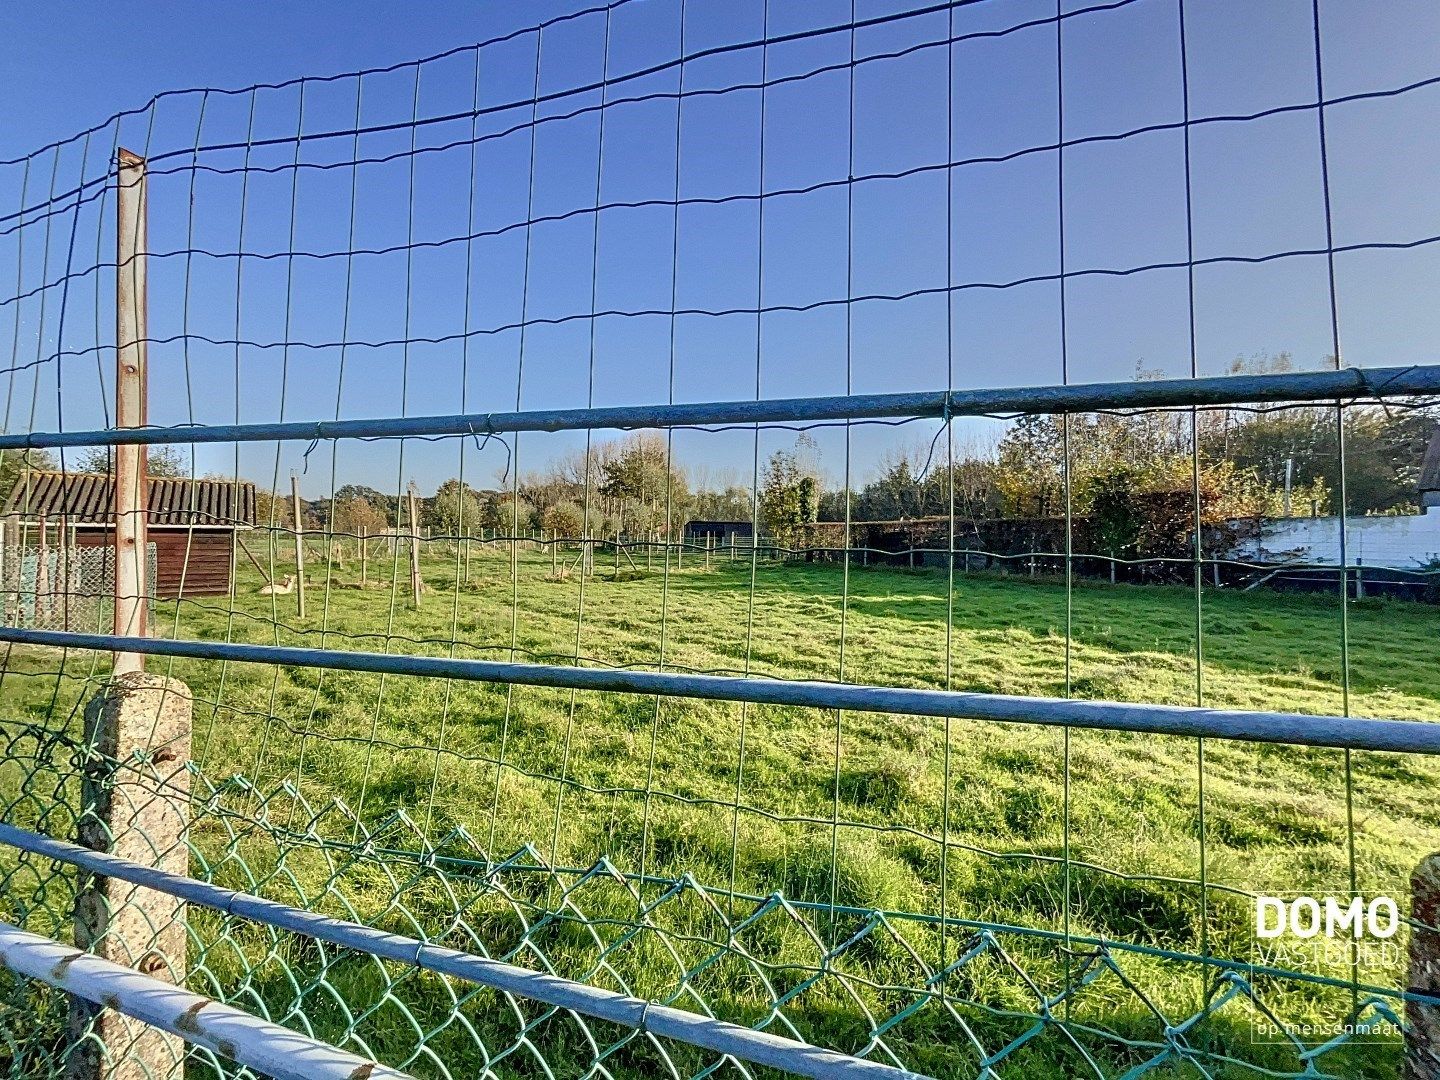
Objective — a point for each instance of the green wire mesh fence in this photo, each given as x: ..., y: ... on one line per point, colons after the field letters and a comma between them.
x: 953, y: 997
x: 338, y: 264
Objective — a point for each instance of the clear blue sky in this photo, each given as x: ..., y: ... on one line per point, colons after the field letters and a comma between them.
x: 1256, y: 191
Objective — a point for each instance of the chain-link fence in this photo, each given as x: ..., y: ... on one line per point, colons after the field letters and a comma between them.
x: 61, y: 586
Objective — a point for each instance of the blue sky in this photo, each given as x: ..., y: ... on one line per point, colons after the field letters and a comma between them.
x: 1255, y: 191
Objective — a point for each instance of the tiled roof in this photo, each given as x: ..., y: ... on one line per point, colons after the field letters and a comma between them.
x: 89, y: 498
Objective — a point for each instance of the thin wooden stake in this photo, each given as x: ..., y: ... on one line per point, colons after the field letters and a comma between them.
x: 65, y: 588
x: 44, y: 598
x: 299, y: 546
x: 411, y: 502
x: 131, y: 485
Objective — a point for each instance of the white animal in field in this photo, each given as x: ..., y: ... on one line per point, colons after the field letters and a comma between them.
x: 279, y: 588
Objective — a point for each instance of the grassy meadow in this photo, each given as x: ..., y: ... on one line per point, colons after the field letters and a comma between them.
x: 855, y: 811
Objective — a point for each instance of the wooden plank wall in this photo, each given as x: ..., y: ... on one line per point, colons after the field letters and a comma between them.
x: 200, y: 558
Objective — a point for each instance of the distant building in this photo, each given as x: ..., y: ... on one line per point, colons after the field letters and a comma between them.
x: 192, y: 523
x: 1429, y: 484
x: 718, y: 532
x: 1408, y: 542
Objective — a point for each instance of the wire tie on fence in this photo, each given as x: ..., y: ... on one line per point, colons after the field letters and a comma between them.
x: 944, y: 427
x: 490, y: 433
x: 305, y: 457
x: 644, y: 1023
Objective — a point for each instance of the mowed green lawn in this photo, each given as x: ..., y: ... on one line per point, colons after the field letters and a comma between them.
x: 855, y: 809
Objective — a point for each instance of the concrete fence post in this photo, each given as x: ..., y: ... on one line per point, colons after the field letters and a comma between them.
x: 1422, y: 1036
x: 136, y: 805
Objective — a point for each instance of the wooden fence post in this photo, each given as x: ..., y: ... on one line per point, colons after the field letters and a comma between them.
x: 136, y: 799
x: 1422, y: 1036
x: 299, y: 546
x: 132, y: 616
x: 66, y: 585
x: 364, y: 552
x: 44, y: 601
x: 414, y: 545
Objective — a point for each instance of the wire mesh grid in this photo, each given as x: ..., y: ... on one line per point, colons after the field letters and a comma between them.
x: 610, y: 208
x: 833, y: 975
x: 59, y: 587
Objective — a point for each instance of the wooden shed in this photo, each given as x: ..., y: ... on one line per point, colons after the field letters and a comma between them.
x: 192, y: 523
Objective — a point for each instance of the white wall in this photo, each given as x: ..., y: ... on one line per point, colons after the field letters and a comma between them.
x: 1399, y: 542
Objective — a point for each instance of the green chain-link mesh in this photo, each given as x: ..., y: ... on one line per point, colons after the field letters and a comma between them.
x: 1009, y: 1001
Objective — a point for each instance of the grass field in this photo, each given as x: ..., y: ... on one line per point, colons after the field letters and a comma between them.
x: 848, y: 810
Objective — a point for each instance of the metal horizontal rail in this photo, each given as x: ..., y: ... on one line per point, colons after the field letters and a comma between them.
x: 258, y: 1044
x: 746, y: 1044
x: 1308, y: 386
x: 1341, y: 732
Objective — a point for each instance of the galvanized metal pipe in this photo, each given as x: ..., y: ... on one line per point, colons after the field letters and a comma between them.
x: 745, y: 1044
x: 258, y: 1044
x: 1299, y: 386
x: 1404, y: 736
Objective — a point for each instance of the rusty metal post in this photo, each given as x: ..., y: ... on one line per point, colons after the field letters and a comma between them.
x: 1422, y: 1035
x: 136, y: 804
x: 131, y: 487
x: 299, y: 546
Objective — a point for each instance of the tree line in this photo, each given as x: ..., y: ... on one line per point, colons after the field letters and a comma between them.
x: 1137, y: 478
